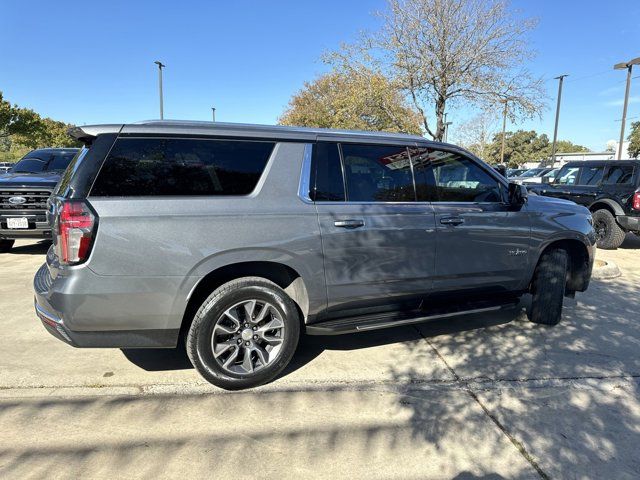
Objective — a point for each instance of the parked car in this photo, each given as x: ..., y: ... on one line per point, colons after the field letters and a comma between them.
x: 547, y: 177
x: 531, y: 175
x: 24, y: 192
x: 5, y: 167
x: 610, y: 189
x: 237, y: 238
x: 515, y: 172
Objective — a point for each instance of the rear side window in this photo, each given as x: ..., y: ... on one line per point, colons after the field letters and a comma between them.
x: 619, y: 175
x: 156, y: 166
x: 591, y: 175
x: 326, y: 174
x: 377, y: 173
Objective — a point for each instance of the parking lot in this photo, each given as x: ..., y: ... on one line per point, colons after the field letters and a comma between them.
x: 489, y: 396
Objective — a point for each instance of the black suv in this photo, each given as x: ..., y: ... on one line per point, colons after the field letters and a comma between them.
x: 24, y: 192
x: 610, y: 189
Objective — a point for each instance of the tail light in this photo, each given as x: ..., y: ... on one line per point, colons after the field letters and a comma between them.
x: 636, y: 201
x: 76, y: 229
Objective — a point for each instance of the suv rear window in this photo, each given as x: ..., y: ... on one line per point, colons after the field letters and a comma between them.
x: 619, y: 174
x: 176, y: 166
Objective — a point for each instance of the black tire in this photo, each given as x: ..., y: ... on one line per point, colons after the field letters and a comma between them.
x: 610, y: 235
x: 199, y: 337
x: 548, y: 287
x: 6, y: 245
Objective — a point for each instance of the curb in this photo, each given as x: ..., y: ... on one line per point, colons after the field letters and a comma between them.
x: 603, y: 270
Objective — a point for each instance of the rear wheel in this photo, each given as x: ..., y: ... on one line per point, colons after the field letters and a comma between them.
x: 609, y: 234
x: 548, y: 287
x: 6, y: 245
x: 244, y: 334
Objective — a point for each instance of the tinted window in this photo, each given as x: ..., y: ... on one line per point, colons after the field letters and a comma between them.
x: 30, y: 165
x: 60, y: 161
x: 591, y: 175
x: 139, y: 166
x: 567, y: 176
x: 377, y: 173
x: 425, y: 182
x: 619, y: 174
x: 326, y: 173
x: 459, y: 179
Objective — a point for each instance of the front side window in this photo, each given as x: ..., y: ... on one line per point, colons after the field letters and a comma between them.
x: 591, y: 175
x: 156, y: 166
x: 567, y: 176
x: 619, y: 174
x: 377, y: 173
x: 459, y: 179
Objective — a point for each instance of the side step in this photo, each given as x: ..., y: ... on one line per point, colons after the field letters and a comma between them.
x: 394, y: 319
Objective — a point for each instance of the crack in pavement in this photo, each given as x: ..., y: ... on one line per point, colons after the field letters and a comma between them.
x: 465, y: 385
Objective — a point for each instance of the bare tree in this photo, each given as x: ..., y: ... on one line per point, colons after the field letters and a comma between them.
x: 477, y: 133
x: 443, y: 51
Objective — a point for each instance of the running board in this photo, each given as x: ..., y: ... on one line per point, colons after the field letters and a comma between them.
x: 394, y: 319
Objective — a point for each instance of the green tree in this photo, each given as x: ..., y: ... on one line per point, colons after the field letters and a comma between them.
x: 335, y: 100
x: 18, y: 121
x: 634, y: 140
x: 526, y: 146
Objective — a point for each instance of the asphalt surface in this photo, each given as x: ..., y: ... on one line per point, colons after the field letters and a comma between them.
x: 489, y: 396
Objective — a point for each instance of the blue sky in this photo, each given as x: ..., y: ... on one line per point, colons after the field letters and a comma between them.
x: 92, y: 62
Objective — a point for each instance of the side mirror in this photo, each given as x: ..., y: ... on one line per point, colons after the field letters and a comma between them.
x: 501, y: 169
x: 546, y: 180
x: 517, y: 194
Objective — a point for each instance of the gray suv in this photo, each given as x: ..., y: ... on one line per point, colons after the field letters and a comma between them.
x: 238, y: 238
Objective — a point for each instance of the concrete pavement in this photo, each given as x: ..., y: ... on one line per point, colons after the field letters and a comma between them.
x: 489, y: 396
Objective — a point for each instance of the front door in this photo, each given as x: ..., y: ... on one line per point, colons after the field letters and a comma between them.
x: 482, y: 241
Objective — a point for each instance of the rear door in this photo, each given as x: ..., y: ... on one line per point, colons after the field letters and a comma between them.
x: 619, y: 181
x: 482, y: 242
x: 378, y: 242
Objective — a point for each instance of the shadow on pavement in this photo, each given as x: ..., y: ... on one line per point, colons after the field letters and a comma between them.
x: 631, y: 241
x: 39, y: 248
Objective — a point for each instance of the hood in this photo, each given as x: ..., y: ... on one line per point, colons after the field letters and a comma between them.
x: 41, y: 179
x: 551, y: 204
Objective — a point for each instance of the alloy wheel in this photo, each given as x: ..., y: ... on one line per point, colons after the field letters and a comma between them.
x: 247, y: 337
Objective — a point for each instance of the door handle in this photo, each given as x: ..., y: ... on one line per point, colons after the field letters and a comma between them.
x: 452, y: 221
x: 349, y: 223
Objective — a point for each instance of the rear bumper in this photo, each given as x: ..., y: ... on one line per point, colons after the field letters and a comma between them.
x: 629, y: 223
x: 50, y: 299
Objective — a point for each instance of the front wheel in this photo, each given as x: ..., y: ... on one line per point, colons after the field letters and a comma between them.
x: 6, y: 245
x: 548, y: 287
x: 244, y: 334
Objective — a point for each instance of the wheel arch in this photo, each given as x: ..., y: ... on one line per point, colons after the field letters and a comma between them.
x: 282, y: 275
x: 607, y: 204
x: 580, y: 262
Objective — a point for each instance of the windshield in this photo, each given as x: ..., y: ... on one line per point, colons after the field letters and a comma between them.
x: 534, y: 172
x: 29, y: 165
x: 60, y: 161
x: 552, y: 173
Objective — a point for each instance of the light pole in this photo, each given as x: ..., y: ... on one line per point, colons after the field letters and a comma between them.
x: 504, y: 127
x: 621, y: 66
x: 160, y: 67
x: 555, y: 129
x: 213, y: 113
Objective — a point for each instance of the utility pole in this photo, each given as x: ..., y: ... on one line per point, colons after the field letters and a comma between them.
x: 213, y: 113
x: 555, y: 129
x: 160, y: 67
x: 504, y: 128
x: 629, y: 67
